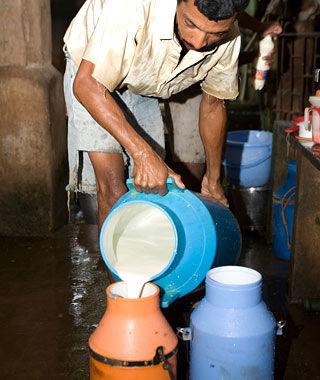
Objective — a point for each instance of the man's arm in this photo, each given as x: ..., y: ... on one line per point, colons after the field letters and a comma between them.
x: 212, y: 126
x: 265, y: 28
x: 150, y: 172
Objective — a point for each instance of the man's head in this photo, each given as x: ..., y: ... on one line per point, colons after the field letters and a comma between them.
x: 202, y: 24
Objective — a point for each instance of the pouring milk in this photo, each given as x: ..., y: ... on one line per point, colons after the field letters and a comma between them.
x: 140, y: 242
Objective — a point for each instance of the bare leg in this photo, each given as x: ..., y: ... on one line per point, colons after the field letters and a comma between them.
x: 191, y: 174
x: 109, y: 172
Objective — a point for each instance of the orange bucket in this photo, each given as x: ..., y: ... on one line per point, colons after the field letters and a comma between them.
x: 133, y: 340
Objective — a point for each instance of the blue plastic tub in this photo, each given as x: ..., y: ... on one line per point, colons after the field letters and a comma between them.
x: 283, y: 215
x: 205, y: 235
x: 247, y: 159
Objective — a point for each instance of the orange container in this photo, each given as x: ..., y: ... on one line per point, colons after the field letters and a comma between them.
x: 133, y: 341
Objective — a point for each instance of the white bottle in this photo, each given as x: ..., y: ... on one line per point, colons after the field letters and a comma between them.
x: 265, y: 48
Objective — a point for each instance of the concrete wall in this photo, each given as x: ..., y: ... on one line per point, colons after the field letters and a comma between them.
x: 33, y: 157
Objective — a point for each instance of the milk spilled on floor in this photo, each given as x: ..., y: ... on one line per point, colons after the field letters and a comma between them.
x: 143, y: 242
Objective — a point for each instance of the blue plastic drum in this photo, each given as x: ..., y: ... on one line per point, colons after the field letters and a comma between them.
x: 247, y: 159
x: 200, y: 234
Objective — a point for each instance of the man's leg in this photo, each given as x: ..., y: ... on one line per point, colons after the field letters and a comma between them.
x: 191, y: 174
x: 186, y: 145
x: 109, y: 172
x: 96, y: 163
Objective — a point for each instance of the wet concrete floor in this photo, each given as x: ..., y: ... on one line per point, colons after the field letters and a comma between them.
x: 52, y: 295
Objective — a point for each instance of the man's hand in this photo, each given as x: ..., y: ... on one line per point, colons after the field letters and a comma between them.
x: 213, y: 189
x: 151, y: 173
x: 272, y: 29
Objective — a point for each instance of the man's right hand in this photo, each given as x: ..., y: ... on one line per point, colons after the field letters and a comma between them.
x: 273, y: 29
x: 151, y: 173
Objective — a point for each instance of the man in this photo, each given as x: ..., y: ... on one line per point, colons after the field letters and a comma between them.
x: 183, y: 109
x: 124, y: 54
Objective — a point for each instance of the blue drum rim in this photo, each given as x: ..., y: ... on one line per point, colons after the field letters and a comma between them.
x: 246, y: 143
x: 116, y: 208
x: 185, y: 288
x: 250, y: 285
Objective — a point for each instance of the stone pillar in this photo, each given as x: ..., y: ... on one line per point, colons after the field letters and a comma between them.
x: 33, y: 156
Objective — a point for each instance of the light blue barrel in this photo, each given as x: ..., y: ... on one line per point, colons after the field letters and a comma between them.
x: 233, y: 332
x: 205, y: 234
x: 247, y: 158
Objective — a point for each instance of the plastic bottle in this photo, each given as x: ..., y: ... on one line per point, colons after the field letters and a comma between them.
x: 262, y: 67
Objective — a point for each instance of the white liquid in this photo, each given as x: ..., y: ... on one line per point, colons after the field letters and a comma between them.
x: 134, y: 283
x: 142, y: 244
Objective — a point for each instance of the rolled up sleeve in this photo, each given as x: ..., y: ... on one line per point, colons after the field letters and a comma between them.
x: 111, y: 45
x: 222, y: 80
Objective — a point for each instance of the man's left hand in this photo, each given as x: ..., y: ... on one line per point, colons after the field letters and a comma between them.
x: 213, y: 189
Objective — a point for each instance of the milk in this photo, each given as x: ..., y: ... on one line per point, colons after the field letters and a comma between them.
x: 134, y: 283
x: 142, y: 245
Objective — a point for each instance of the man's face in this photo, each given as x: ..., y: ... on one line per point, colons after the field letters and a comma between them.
x: 196, y: 32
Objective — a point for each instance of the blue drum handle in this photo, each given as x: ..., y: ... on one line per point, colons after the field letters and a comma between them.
x: 171, y: 185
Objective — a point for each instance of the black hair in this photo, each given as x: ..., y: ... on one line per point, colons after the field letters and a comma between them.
x: 216, y: 10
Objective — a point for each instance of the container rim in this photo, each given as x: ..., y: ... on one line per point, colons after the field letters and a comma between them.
x: 153, y: 292
x: 234, y: 275
x: 246, y: 143
x: 118, y: 208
